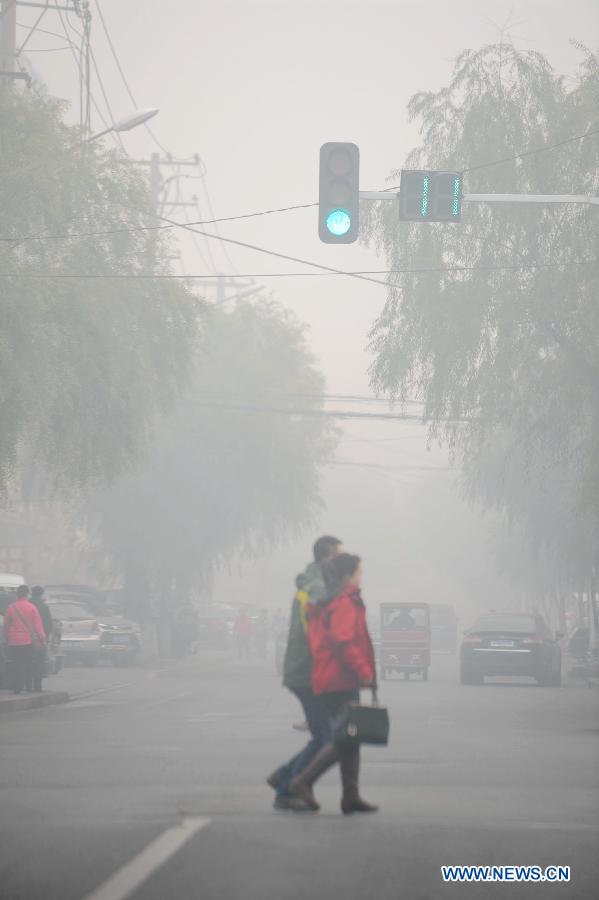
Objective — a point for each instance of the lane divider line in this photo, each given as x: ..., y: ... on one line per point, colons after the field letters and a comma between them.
x: 126, y: 880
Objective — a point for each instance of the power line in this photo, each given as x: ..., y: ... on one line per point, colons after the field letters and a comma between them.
x: 303, y: 411
x: 298, y: 395
x: 66, y: 235
x: 116, y: 137
x: 122, y: 73
x: 522, y: 155
x: 402, y: 468
x: 362, y: 273
x: 42, y: 31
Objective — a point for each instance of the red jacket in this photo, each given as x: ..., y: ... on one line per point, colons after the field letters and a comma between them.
x: 23, y: 624
x: 342, y: 654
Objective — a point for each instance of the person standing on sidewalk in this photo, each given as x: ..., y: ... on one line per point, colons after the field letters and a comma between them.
x: 297, y: 673
x: 40, y: 654
x: 342, y: 663
x: 23, y: 633
x: 242, y: 629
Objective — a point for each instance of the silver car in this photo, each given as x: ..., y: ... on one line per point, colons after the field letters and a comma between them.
x: 87, y: 638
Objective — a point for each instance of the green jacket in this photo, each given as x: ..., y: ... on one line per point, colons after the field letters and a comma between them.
x: 297, y: 665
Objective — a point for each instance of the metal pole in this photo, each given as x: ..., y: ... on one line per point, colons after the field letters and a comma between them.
x: 496, y: 198
x: 155, y: 181
x: 8, y: 40
x: 220, y: 290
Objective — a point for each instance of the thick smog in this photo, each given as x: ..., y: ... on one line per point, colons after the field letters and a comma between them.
x: 299, y: 483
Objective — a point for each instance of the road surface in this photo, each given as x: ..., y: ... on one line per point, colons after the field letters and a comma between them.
x: 150, y: 785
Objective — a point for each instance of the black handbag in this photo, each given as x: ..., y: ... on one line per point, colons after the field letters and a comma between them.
x: 362, y: 725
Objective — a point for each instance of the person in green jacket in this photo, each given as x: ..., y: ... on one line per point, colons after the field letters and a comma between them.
x: 297, y: 674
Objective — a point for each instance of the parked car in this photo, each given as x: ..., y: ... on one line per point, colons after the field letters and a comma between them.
x: 444, y: 627
x: 211, y: 628
x: 505, y: 643
x: 87, y: 639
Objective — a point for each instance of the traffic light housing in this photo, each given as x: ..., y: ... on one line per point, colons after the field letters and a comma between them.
x: 339, y: 193
x: 428, y: 196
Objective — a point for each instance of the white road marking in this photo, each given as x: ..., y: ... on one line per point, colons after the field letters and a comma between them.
x: 126, y: 880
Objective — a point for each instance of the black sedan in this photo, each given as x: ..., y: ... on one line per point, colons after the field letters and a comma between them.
x: 510, y: 644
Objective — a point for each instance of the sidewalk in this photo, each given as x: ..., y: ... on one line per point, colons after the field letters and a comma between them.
x: 10, y: 702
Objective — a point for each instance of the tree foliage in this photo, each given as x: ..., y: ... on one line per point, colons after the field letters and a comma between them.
x: 233, y: 471
x: 85, y: 363
x: 505, y: 354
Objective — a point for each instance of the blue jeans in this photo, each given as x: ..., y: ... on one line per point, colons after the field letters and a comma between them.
x: 319, y: 724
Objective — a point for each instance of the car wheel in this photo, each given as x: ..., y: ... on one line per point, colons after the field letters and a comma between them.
x: 551, y: 678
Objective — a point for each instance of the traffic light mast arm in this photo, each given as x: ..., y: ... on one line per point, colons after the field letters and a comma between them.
x: 496, y: 198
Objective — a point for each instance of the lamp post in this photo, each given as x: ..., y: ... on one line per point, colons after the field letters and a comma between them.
x: 139, y: 117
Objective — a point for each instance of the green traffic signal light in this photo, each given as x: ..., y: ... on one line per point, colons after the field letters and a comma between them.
x: 338, y: 222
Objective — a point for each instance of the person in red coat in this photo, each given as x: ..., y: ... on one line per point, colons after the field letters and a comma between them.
x: 23, y: 633
x: 342, y: 663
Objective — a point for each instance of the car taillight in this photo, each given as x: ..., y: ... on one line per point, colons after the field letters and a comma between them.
x: 532, y: 640
x: 472, y: 639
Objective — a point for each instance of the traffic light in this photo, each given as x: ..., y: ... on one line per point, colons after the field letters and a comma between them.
x: 339, y: 193
x: 430, y: 196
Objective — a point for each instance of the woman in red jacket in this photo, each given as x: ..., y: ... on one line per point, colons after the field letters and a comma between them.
x: 342, y: 663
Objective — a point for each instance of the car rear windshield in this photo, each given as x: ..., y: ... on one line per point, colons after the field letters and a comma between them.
x: 405, y: 617
x: 505, y: 623
x: 75, y: 611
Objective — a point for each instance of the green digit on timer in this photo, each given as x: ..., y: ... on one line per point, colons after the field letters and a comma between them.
x: 424, y: 207
x: 456, y: 196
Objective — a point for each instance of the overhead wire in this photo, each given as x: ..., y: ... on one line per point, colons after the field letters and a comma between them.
x: 106, y: 124
x: 522, y: 155
x: 122, y: 73
x: 31, y: 32
x: 65, y: 235
x: 363, y: 274
x: 316, y: 413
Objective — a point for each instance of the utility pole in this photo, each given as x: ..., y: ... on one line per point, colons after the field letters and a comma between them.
x: 8, y: 41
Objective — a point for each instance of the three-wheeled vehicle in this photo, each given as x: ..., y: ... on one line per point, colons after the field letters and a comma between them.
x: 405, y: 643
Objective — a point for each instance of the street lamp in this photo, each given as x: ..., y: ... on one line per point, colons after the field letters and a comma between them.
x: 131, y: 121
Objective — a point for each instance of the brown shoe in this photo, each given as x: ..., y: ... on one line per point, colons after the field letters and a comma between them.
x: 301, y: 785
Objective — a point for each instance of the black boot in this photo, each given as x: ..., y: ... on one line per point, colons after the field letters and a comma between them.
x: 301, y: 785
x: 351, y: 802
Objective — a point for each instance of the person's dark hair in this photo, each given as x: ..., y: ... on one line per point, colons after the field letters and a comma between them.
x: 22, y: 591
x: 37, y: 592
x: 325, y: 547
x: 336, y: 570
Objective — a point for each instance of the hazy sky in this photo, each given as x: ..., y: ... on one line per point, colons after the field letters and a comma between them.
x: 256, y: 88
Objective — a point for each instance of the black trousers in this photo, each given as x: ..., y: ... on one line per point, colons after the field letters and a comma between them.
x: 38, y: 668
x: 21, y: 664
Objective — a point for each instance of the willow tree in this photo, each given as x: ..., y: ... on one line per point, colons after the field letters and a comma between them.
x: 90, y: 348
x: 497, y: 330
x: 233, y: 472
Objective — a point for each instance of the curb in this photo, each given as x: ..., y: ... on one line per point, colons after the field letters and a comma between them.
x: 15, y: 703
